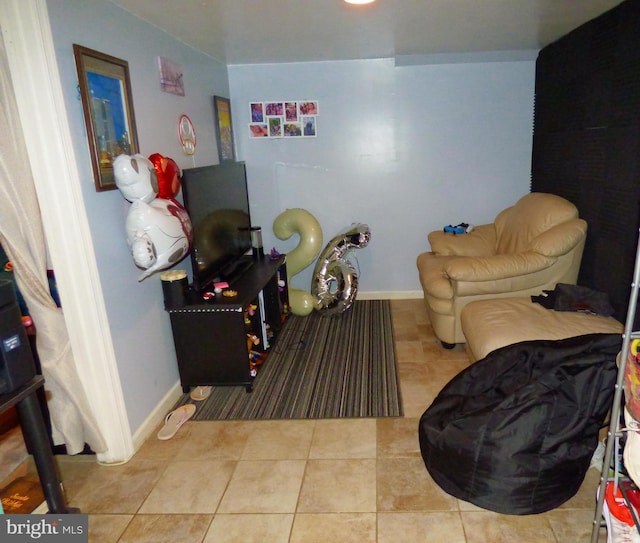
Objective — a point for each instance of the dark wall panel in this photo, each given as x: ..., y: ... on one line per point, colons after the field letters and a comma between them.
x: 586, y: 143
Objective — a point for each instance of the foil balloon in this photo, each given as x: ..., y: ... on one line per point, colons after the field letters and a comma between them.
x: 301, y: 222
x: 335, y: 279
x: 135, y: 177
x: 158, y: 234
x: 159, y: 230
x: 168, y: 173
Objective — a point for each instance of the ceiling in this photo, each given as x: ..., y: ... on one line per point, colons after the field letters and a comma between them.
x: 275, y: 31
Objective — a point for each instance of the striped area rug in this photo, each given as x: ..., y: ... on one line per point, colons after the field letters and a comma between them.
x: 320, y: 367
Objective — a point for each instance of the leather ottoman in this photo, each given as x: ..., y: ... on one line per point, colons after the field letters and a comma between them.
x: 490, y: 324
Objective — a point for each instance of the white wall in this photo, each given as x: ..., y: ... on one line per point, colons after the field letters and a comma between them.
x: 139, y: 325
x: 404, y: 149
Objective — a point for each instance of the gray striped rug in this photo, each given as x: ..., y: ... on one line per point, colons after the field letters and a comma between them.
x: 320, y: 367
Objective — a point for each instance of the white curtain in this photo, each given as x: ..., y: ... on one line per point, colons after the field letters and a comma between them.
x: 21, y: 235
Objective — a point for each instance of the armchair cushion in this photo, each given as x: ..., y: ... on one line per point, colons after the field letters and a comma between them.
x: 481, y: 243
x: 532, y: 215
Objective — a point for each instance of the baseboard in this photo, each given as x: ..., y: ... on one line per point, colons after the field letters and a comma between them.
x: 390, y: 295
x: 157, y: 416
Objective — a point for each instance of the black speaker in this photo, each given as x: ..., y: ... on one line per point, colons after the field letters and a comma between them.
x: 17, y: 366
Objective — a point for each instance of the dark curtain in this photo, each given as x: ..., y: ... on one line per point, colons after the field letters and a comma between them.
x: 586, y: 144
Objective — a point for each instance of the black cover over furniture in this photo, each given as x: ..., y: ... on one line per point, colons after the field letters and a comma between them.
x: 515, y: 432
x: 586, y: 142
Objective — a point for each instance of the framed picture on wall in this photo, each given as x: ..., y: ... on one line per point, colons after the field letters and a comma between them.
x: 107, y: 103
x: 224, y: 128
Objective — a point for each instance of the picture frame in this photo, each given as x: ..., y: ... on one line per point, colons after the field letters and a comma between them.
x: 107, y: 104
x: 224, y: 128
x: 171, y: 76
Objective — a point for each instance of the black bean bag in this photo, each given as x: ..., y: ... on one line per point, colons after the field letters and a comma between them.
x: 515, y: 432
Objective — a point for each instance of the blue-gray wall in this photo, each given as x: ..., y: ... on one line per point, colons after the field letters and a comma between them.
x: 139, y: 325
x: 405, y: 149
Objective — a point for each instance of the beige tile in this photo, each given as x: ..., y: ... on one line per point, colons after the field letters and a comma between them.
x: 344, y: 438
x: 215, y: 440
x: 409, y: 351
x: 279, y: 440
x: 114, y: 489
x: 166, y: 529
x: 156, y: 449
x: 482, y: 527
x: 190, y: 487
x: 420, y: 527
x: 250, y: 529
x: 339, y: 486
x: 574, y: 526
x: 342, y: 527
x: 269, y: 486
x: 398, y: 437
x: 468, y: 506
x: 417, y: 386
x: 107, y: 528
x: 403, y: 484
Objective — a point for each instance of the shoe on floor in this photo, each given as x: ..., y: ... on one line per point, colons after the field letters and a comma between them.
x: 616, y: 513
x: 200, y: 393
x: 175, y: 420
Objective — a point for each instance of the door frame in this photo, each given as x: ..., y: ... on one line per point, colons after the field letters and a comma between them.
x: 32, y: 61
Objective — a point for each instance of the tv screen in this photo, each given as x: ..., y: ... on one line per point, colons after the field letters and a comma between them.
x: 217, y: 201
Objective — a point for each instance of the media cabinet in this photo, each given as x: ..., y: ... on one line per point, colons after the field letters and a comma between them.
x: 212, y: 337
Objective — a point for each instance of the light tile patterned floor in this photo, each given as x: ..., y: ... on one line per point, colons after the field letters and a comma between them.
x: 350, y: 480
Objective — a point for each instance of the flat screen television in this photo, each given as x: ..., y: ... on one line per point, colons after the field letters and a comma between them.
x: 217, y: 201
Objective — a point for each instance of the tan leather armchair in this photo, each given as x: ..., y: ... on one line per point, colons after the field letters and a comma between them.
x: 531, y: 246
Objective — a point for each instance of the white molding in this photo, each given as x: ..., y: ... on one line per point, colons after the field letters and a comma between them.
x: 519, y: 55
x: 157, y: 416
x: 390, y: 295
x: 29, y: 43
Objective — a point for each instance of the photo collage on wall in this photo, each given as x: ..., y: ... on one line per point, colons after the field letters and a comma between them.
x: 286, y: 119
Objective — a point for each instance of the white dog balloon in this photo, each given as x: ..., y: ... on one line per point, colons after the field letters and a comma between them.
x: 159, y: 230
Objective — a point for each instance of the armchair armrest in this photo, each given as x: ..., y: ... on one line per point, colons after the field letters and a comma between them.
x: 560, y: 239
x: 496, y: 267
x: 481, y: 241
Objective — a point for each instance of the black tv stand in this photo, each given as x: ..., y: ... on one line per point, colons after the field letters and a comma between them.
x: 211, y: 337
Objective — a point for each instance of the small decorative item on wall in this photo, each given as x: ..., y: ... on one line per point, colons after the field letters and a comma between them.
x: 187, y: 135
x: 286, y: 119
x: 107, y: 103
x: 224, y: 128
x: 171, y: 79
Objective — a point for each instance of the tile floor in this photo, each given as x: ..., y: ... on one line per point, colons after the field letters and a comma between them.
x: 350, y: 480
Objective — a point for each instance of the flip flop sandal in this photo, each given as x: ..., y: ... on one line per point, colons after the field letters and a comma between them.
x: 200, y: 393
x: 175, y: 419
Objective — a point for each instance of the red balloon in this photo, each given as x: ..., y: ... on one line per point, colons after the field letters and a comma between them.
x: 168, y: 173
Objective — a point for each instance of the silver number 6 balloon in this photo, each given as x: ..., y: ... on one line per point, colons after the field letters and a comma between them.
x: 335, y: 279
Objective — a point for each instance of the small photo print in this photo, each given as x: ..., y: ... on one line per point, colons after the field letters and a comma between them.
x: 291, y: 111
x: 292, y: 130
x: 275, y: 127
x: 257, y: 114
x: 308, y: 126
x: 258, y: 130
x: 308, y: 108
x: 273, y: 109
